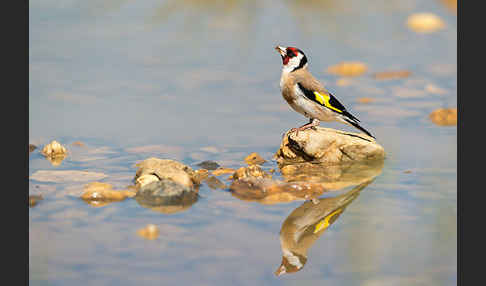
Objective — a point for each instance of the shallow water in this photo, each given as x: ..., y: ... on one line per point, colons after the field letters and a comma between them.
x: 190, y: 81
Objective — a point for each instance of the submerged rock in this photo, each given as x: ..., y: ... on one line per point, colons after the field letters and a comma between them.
x: 208, y: 165
x: 100, y: 194
x: 166, y: 196
x: 150, y: 232
x: 330, y: 146
x: 214, y: 183
x: 54, y: 152
x: 200, y: 175
x: 254, y: 159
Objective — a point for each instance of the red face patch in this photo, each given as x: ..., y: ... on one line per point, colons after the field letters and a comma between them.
x: 285, y: 60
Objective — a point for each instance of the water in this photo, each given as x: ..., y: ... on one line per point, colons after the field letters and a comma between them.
x: 194, y: 81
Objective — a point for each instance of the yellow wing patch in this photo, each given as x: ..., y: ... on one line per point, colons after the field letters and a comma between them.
x: 324, y: 100
x: 323, y: 224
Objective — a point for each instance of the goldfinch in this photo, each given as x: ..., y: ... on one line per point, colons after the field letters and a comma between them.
x: 306, y: 95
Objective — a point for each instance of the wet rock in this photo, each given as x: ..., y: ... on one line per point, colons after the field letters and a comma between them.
x: 348, y: 69
x: 214, y: 183
x: 63, y: 176
x: 306, y: 224
x: 222, y: 171
x: 330, y: 146
x: 166, y: 196
x: 164, y: 169
x: 100, y: 194
x: 425, y: 22
x: 252, y: 171
x: 200, y: 175
x: 150, y: 232
x: 444, y: 116
x: 387, y: 75
x: 254, y: 159
x: 33, y: 199
x: 54, y: 152
x: 32, y: 147
x: 145, y: 180
x: 332, y: 177
x: 268, y: 191
x: 208, y: 165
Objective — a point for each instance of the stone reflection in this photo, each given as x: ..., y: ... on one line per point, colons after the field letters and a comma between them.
x: 306, y: 224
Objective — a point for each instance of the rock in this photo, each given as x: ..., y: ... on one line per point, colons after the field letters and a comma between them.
x: 348, y: 69
x: 214, y: 183
x: 444, y: 116
x: 54, y: 152
x: 150, y: 232
x: 165, y: 169
x: 254, y: 159
x: 386, y: 75
x: 145, y: 180
x: 32, y: 147
x: 208, y: 165
x: 63, y: 176
x: 100, y: 194
x: 425, y: 22
x: 306, y: 224
x: 252, y: 171
x: 222, y: 171
x: 33, y: 199
x: 200, y: 175
x: 332, y: 177
x: 166, y: 196
x: 330, y: 146
x: 268, y: 191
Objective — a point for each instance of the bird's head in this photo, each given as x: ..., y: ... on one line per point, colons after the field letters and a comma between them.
x: 292, y: 58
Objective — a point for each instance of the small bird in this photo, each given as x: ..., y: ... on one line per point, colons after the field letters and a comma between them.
x: 306, y: 95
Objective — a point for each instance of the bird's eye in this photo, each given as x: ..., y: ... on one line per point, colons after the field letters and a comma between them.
x: 290, y: 53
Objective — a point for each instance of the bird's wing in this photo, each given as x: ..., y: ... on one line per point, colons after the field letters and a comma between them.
x: 315, y: 92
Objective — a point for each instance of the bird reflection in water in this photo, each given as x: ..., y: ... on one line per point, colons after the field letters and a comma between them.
x: 306, y: 224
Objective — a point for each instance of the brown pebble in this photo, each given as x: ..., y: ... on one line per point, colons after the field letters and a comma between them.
x: 32, y: 147
x: 444, y: 116
x: 33, y: 199
x: 407, y: 171
x: 150, y: 232
x: 214, y: 183
x: 254, y: 159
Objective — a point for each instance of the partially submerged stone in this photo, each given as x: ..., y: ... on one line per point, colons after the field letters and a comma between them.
x: 166, y: 196
x: 252, y: 171
x: 254, y: 159
x: 54, y: 152
x: 348, y: 69
x: 208, y: 165
x: 33, y: 199
x: 425, y: 22
x: 444, y: 116
x: 330, y: 146
x: 200, y: 175
x: 100, y: 194
x: 164, y: 169
x: 150, y: 232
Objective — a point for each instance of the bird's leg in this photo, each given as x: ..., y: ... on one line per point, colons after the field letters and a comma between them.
x: 313, y: 122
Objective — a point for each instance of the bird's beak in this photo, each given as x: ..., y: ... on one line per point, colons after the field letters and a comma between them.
x: 281, y: 50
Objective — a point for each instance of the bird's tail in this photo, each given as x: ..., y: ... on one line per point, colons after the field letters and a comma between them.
x: 355, y: 124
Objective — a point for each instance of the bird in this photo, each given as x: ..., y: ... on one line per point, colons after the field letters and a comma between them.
x: 306, y: 95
